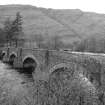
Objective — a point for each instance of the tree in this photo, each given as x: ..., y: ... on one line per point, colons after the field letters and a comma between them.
x: 13, y: 28
x: 87, y: 44
x: 80, y: 46
x: 92, y: 44
x: 39, y: 39
x: 7, y: 29
x: 53, y: 43
x: 17, y: 26
x: 2, y: 37
x: 56, y: 42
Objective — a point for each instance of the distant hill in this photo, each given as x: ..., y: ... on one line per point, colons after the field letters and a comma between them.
x: 70, y: 24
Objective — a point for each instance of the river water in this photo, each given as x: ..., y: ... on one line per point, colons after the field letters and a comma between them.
x: 14, y: 86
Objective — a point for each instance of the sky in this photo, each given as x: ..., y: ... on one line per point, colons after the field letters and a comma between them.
x: 85, y: 5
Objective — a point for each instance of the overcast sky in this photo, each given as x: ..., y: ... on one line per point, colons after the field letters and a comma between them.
x: 85, y: 5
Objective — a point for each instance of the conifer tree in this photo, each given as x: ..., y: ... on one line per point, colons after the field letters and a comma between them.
x: 17, y: 26
x: 13, y: 29
x: 7, y: 29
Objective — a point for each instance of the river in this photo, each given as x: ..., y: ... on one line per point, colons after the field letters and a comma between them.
x: 15, y: 87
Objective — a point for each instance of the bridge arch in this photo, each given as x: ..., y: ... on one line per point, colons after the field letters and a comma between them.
x: 3, y: 53
x: 30, y: 63
x: 64, y: 70
x: 12, y: 57
x: 60, y: 66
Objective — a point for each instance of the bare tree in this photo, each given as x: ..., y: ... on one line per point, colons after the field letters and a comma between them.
x: 56, y: 42
x: 38, y: 38
x: 7, y: 29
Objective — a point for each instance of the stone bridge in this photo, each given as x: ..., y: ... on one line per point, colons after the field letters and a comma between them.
x: 42, y: 63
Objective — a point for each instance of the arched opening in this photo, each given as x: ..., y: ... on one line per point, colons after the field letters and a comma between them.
x: 59, y: 78
x: 29, y: 65
x: 11, y: 59
x: 2, y: 55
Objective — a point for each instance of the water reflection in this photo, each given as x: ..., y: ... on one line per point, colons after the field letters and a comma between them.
x: 14, y: 86
x: 6, y: 70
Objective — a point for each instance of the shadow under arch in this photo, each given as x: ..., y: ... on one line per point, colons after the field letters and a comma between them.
x: 29, y: 64
x: 12, y: 57
x: 3, y: 53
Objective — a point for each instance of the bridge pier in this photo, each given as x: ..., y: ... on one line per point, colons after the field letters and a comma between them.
x: 17, y: 63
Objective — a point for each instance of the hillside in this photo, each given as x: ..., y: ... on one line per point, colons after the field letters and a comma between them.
x: 69, y: 24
